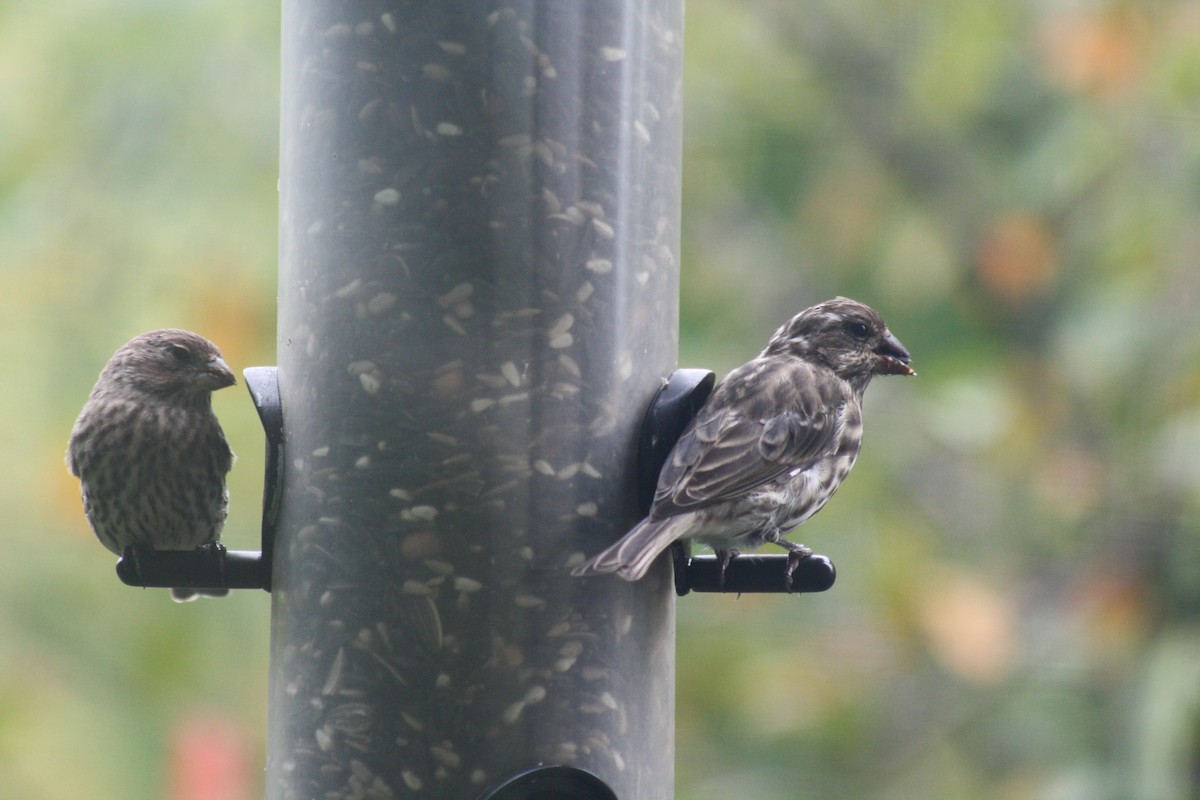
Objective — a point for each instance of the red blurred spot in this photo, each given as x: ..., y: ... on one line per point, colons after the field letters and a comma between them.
x: 209, y: 760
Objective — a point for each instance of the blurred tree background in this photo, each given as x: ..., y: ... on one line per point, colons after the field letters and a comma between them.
x: 1015, y: 186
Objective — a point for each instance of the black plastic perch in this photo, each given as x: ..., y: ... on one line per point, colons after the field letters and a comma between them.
x: 752, y: 573
x: 551, y: 783
x: 212, y: 566
x: 677, y: 401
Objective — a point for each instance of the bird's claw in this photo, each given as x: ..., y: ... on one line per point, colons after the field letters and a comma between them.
x: 133, y: 555
x: 795, y: 556
x: 217, y: 551
x: 724, y: 557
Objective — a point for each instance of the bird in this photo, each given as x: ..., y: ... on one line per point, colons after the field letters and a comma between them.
x: 771, y: 444
x: 148, y: 450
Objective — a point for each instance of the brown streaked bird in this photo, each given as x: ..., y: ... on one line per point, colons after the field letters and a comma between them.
x: 770, y: 446
x: 149, y: 452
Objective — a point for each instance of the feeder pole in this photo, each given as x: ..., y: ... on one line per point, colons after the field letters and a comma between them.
x: 478, y: 298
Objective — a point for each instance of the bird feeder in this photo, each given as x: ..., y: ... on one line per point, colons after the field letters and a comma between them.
x: 478, y: 298
x: 479, y: 236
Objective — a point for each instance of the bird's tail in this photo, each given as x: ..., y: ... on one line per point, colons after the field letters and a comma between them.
x: 634, y: 552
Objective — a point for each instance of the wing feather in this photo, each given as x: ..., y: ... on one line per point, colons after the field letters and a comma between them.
x: 766, y: 418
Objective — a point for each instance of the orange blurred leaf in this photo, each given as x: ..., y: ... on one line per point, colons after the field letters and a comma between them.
x: 1096, y: 51
x: 1017, y: 257
x: 970, y: 626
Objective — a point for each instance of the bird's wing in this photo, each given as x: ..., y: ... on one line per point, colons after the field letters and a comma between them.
x: 766, y: 418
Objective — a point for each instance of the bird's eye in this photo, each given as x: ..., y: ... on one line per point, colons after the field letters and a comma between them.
x: 858, y: 330
x: 179, y: 353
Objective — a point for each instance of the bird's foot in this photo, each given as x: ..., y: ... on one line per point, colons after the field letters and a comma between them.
x: 216, y: 551
x: 796, y: 554
x: 133, y: 555
x: 724, y: 557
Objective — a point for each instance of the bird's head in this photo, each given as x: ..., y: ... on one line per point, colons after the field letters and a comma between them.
x: 170, y: 362
x: 847, y: 337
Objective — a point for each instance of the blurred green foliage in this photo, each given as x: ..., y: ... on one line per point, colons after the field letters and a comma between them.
x: 1015, y: 186
x: 138, y: 162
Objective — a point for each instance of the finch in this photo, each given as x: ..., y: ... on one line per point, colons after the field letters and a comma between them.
x: 148, y: 450
x: 770, y: 446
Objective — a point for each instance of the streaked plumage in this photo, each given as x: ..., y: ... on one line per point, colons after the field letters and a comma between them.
x: 148, y: 450
x: 771, y: 445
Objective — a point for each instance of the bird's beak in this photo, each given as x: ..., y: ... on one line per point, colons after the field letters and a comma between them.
x: 893, y: 357
x: 217, y: 375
